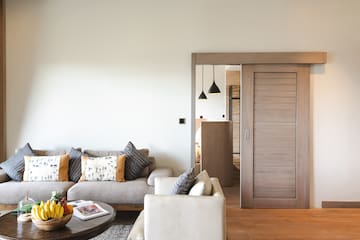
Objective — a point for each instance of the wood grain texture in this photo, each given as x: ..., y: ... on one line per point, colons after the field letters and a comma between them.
x: 246, y: 140
x: 340, y: 204
x: 288, y: 224
x: 274, y: 136
x: 216, y: 150
x: 276, y: 154
x: 261, y: 58
x: 232, y: 78
x: 2, y: 84
x: 292, y: 224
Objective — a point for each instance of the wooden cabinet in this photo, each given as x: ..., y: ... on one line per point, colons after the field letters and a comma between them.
x: 216, y: 150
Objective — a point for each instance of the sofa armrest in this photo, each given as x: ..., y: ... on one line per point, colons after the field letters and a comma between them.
x: 159, y: 172
x: 3, y: 176
x: 184, y: 217
x: 164, y: 185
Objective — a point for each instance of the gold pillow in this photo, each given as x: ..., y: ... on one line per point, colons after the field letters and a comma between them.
x: 46, y: 168
x: 108, y: 168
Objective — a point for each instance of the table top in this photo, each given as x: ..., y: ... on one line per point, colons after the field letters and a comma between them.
x: 75, y: 229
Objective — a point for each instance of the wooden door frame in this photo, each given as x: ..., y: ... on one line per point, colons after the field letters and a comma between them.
x: 2, y: 83
x: 218, y: 58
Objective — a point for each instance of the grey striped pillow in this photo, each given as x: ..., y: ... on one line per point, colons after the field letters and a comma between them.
x: 135, y: 162
x: 15, y: 165
x: 184, y: 182
x: 75, y: 165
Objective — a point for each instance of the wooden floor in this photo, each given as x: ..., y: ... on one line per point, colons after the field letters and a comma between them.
x: 281, y: 224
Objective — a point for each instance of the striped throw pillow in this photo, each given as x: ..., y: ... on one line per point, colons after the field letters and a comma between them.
x: 15, y: 165
x: 184, y: 182
x: 135, y: 162
x: 75, y: 165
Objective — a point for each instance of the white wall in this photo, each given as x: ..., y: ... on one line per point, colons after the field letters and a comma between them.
x: 97, y: 73
x: 214, y: 107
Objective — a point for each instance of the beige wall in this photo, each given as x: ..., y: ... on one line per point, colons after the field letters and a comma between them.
x: 99, y: 73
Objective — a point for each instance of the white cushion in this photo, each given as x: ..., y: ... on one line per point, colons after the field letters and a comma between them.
x: 198, y: 189
x: 204, y: 177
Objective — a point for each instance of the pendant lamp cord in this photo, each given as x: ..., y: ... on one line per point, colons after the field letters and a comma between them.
x: 202, y: 78
x: 213, y: 73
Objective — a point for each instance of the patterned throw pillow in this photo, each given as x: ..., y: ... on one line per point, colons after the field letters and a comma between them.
x: 75, y: 165
x: 15, y: 165
x: 136, y: 162
x: 46, y: 168
x: 184, y: 182
x: 108, y: 168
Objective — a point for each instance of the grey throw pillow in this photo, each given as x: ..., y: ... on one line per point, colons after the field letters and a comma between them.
x: 75, y: 164
x: 135, y: 162
x: 184, y: 182
x: 15, y: 165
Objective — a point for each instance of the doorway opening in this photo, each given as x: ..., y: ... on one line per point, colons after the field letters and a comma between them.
x: 273, y: 174
x: 218, y: 114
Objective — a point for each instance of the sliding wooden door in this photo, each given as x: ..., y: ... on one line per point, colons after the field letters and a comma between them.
x: 275, y: 136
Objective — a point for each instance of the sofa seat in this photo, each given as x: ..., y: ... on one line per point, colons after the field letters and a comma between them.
x: 129, y: 192
x: 12, y: 192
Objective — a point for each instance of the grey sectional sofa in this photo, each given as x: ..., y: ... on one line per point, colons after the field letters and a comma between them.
x: 127, y: 195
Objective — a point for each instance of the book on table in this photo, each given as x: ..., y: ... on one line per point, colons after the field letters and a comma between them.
x: 86, y: 210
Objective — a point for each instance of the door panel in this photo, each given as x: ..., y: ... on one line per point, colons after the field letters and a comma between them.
x: 275, y: 136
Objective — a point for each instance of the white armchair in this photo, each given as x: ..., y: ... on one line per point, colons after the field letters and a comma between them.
x: 180, y: 217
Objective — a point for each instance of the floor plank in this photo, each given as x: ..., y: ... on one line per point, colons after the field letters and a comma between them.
x: 287, y: 224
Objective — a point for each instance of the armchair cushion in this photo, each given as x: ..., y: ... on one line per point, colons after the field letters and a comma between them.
x: 203, y: 176
x: 184, y: 182
x: 159, y: 172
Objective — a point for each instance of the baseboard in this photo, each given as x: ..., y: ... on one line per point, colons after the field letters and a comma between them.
x: 340, y: 204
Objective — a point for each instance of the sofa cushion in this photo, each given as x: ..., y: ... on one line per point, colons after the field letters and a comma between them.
x: 75, y: 164
x: 143, y: 151
x: 108, y: 168
x: 130, y: 192
x: 135, y: 163
x: 184, y: 182
x: 47, y: 168
x: 15, y: 191
x: 15, y: 165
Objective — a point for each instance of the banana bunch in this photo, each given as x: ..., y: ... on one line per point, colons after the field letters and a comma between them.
x: 48, y: 210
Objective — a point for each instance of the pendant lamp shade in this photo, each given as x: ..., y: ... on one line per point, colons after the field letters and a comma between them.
x: 214, y: 88
x: 202, y: 94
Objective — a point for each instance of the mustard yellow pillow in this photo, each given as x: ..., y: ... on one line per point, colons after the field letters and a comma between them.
x: 46, y: 168
x: 108, y: 168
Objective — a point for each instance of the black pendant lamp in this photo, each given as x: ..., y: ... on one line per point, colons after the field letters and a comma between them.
x: 214, y: 88
x: 202, y: 94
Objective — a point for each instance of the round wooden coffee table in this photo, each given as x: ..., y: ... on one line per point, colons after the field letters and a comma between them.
x: 75, y: 229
